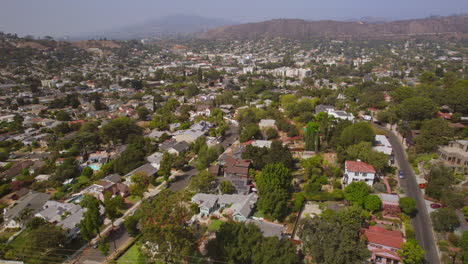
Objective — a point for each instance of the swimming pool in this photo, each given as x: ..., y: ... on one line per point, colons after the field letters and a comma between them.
x: 95, y: 167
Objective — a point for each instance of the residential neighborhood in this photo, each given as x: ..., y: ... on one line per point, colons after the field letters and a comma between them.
x: 258, y: 150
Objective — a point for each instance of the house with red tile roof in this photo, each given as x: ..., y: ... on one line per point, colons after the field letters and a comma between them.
x: 358, y: 171
x: 384, y: 244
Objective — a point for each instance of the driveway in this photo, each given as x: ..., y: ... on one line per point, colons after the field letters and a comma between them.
x: 421, y: 222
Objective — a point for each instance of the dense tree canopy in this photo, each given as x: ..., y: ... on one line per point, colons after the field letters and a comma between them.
x: 274, y: 186
x: 339, y: 236
x: 245, y: 244
x: 417, y: 108
x: 357, y: 133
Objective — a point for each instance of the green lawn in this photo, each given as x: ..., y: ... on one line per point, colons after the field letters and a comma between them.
x: 132, y: 255
x: 20, y: 240
x: 133, y: 199
x: 215, y: 225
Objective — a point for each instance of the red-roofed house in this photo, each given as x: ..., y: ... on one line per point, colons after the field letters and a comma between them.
x: 384, y: 244
x: 358, y: 171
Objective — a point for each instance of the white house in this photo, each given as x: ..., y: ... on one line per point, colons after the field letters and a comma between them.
x: 155, y: 159
x: 381, y: 144
x: 65, y: 215
x: 267, y: 123
x: 340, y: 114
x: 358, y: 171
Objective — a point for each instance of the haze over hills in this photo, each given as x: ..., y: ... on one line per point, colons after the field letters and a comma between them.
x: 302, y: 29
x: 169, y: 26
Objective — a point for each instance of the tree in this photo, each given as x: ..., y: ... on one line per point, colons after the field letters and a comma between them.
x: 91, y: 223
x: 340, y: 243
x: 131, y: 223
x: 140, y: 183
x: 143, y: 112
x: 440, y: 181
x: 356, y: 192
x: 166, y: 165
x: 407, y: 205
x: 372, y: 203
x: 417, y: 108
x: 203, y: 182
x: 62, y: 116
x: 206, y: 155
x: 274, y: 186
x: 387, y: 117
x: 271, y: 133
x: 251, y: 131
x: 129, y: 160
x: 112, y: 205
x: 49, y: 238
x: 434, y: 132
x: 445, y: 220
x: 411, y: 252
x: 356, y: 133
x: 240, y: 243
x: 427, y: 77
x: 120, y: 129
x: 311, y: 138
x: 464, y: 245
x: 402, y: 93
x: 226, y: 187
x: 104, y: 246
x: 164, y: 226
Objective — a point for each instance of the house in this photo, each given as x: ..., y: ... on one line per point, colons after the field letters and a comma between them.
x: 237, y: 171
x: 65, y: 215
x: 262, y: 143
x: 174, y: 147
x: 17, y: 168
x: 323, y: 108
x: 147, y: 169
x: 381, y: 144
x: 390, y: 205
x: 42, y: 177
x: 99, y: 157
x: 340, y: 114
x: 384, y: 245
x: 267, y: 123
x: 188, y: 135
x: 155, y: 134
x: 358, y: 171
x: 238, y: 206
x: 100, y: 188
x: 32, y: 202
x: 155, y: 159
x: 215, y: 170
x: 201, y: 110
x: 455, y: 155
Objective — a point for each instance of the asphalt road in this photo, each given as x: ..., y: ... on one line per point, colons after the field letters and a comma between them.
x: 92, y: 255
x: 421, y: 223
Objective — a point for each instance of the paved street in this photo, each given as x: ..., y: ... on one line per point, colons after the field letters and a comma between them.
x: 421, y: 223
x: 93, y: 255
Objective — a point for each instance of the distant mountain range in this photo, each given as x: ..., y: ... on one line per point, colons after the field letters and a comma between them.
x: 302, y: 29
x: 169, y: 26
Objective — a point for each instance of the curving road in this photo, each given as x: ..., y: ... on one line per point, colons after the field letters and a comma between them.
x: 421, y: 222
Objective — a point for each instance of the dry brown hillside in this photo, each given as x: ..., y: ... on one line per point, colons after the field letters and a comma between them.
x: 301, y: 29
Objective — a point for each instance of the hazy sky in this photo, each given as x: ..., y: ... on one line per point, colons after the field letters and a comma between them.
x: 68, y: 17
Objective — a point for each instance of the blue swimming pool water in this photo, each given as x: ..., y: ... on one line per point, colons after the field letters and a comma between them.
x: 95, y: 167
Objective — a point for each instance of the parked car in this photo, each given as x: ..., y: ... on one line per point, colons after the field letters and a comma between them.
x: 401, y: 175
x: 422, y: 185
x: 436, y: 205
